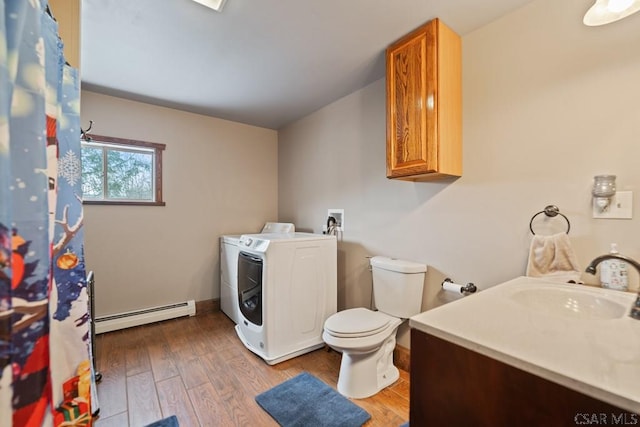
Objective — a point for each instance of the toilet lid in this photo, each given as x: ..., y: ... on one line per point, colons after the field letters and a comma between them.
x: 356, y: 322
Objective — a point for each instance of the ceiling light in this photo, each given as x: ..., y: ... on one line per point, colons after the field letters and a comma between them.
x: 607, y: 11
x: 213, y: 4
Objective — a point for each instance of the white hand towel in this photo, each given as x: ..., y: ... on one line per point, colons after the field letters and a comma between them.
x: 553, y: 257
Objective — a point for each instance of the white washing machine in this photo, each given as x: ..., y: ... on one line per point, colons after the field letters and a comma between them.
x: 287, y: 288
x: 229, y: 267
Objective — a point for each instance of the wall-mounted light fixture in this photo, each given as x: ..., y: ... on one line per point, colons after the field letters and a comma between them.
x: 607, y: 11
x: 604, y: 188
x: 213, y: 4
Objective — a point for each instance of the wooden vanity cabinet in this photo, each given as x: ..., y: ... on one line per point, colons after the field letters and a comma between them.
x: 453, y: 386
x: 424, y: 104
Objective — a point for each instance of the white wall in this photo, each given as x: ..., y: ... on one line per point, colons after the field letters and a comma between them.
x: 220, y: 177
x: 548, y: 104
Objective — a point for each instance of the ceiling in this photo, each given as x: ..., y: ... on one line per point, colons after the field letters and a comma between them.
x: 260, y: 62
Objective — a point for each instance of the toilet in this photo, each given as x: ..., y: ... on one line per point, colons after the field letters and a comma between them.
x: 367, y: 338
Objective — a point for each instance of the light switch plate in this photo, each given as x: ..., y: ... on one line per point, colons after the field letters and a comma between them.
x: 620, y: 207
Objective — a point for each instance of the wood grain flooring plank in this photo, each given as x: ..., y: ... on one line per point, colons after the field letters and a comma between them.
x: 401, y: 387
x: 193, y: 372
x: 179, y: 344
x: 197, y: 336
x: 137, y: 358
x: 380, y: 416
x: 394, y: 402
x: 111, y: 356
x: 218, y: 340
x: 229, y: 390
x: 112, y: 392
x: 142, y: 399
x: 119, y: 420
x: 245, y: 411
x: 272, y: 376
x: 161, y: 358
x: 208, y: 406
x: 175, y: 401
x: 214, y: 321
x: 248, y: 361
x: 239, y: 405
x: 219, y: 374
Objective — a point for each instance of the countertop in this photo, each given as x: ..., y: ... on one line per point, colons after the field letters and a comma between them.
x: 596, y: 357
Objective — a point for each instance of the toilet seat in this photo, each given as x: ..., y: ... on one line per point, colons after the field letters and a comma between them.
x: 368, y: 339
x: 357, y: 323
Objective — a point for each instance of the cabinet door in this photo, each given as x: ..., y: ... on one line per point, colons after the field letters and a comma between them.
x: 412, y: 147
x: 454, y: 386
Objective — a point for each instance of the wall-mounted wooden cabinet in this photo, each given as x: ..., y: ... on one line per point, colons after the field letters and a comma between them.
x: 67, y: 13
x: 424, y: 104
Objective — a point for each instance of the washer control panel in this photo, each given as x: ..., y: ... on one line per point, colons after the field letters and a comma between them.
x: 254, y: 243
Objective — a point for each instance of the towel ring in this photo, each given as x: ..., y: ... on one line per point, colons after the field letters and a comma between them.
x: 550, y: 211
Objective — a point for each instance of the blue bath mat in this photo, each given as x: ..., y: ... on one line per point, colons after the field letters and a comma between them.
x: 306, y: 401
x: 171, y: 421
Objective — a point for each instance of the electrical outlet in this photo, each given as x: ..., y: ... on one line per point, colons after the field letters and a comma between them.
x: 620, y: 207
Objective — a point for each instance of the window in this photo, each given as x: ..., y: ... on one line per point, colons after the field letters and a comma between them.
x: 121, y: 171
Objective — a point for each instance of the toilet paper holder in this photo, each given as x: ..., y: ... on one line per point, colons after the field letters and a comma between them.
x: 449, y: 285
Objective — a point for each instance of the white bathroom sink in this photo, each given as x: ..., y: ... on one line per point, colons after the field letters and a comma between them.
x: 576, y: 301
x: 578, y: 336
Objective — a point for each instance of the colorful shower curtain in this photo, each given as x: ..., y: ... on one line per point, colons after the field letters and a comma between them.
x: 45, y: 370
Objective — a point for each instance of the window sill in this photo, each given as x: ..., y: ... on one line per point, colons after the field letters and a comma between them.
x: 121, y: 203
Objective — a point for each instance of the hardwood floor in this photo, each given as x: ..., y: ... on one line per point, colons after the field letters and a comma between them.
x: 197, y: 369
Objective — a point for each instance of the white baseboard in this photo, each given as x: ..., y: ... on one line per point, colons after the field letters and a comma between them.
x: 129, y: 319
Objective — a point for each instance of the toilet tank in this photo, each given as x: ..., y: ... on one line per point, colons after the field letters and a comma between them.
x: 397, y: 286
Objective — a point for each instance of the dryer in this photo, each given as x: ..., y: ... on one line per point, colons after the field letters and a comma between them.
x: 287, y: 288
x: 229, y: 267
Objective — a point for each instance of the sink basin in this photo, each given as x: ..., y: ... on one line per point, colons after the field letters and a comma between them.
x: 578, y: 302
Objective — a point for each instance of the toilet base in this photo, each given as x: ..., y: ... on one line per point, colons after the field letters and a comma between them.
x: 365, y: 374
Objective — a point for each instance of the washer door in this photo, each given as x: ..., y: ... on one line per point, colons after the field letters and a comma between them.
x: 250, y: 287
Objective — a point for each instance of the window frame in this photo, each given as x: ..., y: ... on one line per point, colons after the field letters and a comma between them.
x: 132, y: 144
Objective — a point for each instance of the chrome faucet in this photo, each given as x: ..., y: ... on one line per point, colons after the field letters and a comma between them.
x: 591, y: 269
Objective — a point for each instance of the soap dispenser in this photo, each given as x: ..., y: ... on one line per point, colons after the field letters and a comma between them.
x: 613, y: 272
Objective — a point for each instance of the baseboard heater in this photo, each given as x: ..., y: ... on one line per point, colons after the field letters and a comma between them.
x: 144, y: 316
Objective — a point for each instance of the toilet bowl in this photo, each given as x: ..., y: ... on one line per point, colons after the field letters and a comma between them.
x: 367, y: 338
x: 367, y: 352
